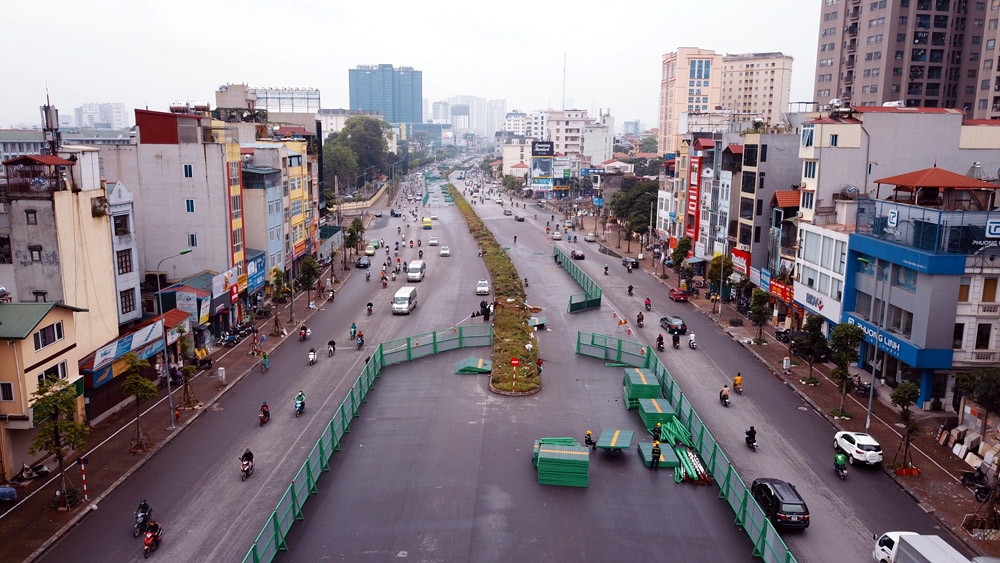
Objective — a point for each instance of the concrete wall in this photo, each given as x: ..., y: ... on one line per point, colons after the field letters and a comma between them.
x: 120, y: 203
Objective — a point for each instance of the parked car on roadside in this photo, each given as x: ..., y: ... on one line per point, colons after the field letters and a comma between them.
x: 678, y: 294
x: 590, y: 237
x: 858, y: 447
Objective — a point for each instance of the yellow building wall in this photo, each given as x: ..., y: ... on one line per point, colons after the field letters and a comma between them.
x: 21, y: 365
x: 236, y: 189
x: 298, y: 176
x: 87, y: 267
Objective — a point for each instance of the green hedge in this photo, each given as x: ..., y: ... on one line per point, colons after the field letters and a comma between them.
x: 510, y: 322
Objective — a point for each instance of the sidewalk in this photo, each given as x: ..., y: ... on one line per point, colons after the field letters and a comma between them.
x: 937, y: 489
x: 37, y: 524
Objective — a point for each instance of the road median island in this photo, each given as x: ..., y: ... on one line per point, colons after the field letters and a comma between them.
x: 512, y: 331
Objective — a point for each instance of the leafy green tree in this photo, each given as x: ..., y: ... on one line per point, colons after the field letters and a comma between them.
x: 358, y: 229
x: 511, y: 182
x: 339, y: 162
x: 680, y: 252
x: 309, y: 272
x: 586, y: 184
x: 637, y: 225
x: 844, y: 343
x: 277, y: 282
x: 54, y: 404
x: 365, y: 136
x: 140, y: 389
x: 811, y: 343
x: 904, y: 395
x: 648, y: 144
x: 760, y: 310
x: 720, y: 261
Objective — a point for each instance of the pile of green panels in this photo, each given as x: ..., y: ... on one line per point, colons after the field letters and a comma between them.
x: 563, y: 465
x: 652, y: 411
x: 668, y: 458
x: 550, y: 441
x: 639, y: 384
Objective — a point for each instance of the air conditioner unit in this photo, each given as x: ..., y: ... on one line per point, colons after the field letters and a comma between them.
x: 798, y: 215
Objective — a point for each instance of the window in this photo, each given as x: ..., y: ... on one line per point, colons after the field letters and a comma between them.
x: 36, y: 253
x: 756, y: 235
x: 6, y: 256
x: 188, y: 171
x: 991, y: 44
x: 40, y: 296
x: 31, y: 217
x: 905, y: 278
x: 189, y: 205
x: 809, y: 170
x: 983, y: 336
x: 807, y: 200
x: 989, y: 290
x: 746, y: 208
x: 6, y: 391
x: 750, y: 155
x: 192, y: 239
x: 863, y: 305
x: 833, y: 140
x: 958, y: 336
x: 124, y: 261
x: 238, y: 240
x: 127, y: 298
x: 48, y: 335
x: 234, y: 202
x: 807, y: 136
x: 900, y: 321
x: 763, y: 153
x: 54, y: 373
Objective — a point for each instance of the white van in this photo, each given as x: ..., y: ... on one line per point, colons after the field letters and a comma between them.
x: 404, y: 301
x: 415, y: 271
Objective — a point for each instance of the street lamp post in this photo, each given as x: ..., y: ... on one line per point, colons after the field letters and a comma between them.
x: 163, y: 319
x: 878, y: 338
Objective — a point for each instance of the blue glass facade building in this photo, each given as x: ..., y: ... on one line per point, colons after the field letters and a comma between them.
x: 397, y: 93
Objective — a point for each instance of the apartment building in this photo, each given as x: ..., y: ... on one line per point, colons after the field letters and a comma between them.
x: 565, y: 129
x: 687, y: 84
x: 396, y: 93
x: 757, y: 85
x: 125, y: 245
x: 516, y: 122
x: 536, y: 125
x: 599, y: 139
x: 516, y: 151
x: 923, y: 53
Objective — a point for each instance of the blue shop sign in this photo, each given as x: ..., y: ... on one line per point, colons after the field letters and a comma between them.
x: 914, y: 356
x: 765, y: 280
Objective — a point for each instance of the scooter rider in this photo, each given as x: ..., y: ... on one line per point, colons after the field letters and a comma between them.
x: 144, y: 508
x: 751, y: 436
x: 648, y: 303
x: 738, y: 381
x: 605, y: 269
x: 300, y: 398
x: 630, y: 291
x: 724, y: 393
x: 691, y: 341
x: 157, y: 530
x: 659, y: 342
x: 639, y: 318
x: 312, y: 356
x: 247, y: 457
x: 839, y: 462
x: 265, y: 410
x: 676, y: 340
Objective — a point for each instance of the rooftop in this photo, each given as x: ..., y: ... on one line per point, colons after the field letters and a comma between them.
x: 18, y: 320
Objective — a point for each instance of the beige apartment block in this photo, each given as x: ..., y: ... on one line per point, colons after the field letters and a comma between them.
x: 690, y: 81
x: 757, y: 85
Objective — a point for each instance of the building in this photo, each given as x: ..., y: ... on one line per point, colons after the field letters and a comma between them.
x: 687, y: 84
x: 565, y: 129
x: 332, y: 120
x: 431, y: 134
x: 102, y: 116
x: 516, y: 151
x: 770, y: 165
x: 632, y: 128
x: 25, y: 142
x: 461, y: 118
x: 515, y: 122
x: 286, y: 100
x: 475, y: 110
x: 125, y: 245
x: 757, y: 85
x: 496, y: 112
x: 441, y: 112
x: 536, y: 125
x: 599, y: 139
x: 39, y: 341
x: 396, y: 93
x: 263, y: 207
x: 819, y: 287
x: 920, y: 53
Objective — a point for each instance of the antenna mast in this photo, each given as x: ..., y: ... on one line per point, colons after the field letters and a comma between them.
x: 564, y: 82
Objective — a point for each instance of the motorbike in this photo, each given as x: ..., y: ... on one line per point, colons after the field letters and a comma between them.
x: 393, y: 275
x: 369, y: 314
x: 368, y: 276
x: 152, y: 541
x: 244, y: 330
x: 605, y: 270
x: 264, y: 416
x: 229, y: 339
x: 751, y: 443
x: 638, y: 321
x: 783, y: 335
x: 977, y: 477
x: 525, y: 282
x: 361, y: 342
x: 141, y: 523
x: 300, y: 407
x: 862, y: 389
x: 385, y: 283
x: 312, y: 358
x: 738, y: 389
x: 630, y: 291
x: 28, y: 473
x: 724, y: 400
x: 354, y: 332
x: 303, y: 334
x: 841, y: 471
x: 649, y: 307
x: 695, y: 292
x: 677, y: 342
x: 419, y: 242
x: 420, y: 254
x: 330, y: 294
x: 692, y: 345
x: 246, y: 469
x: 982, y: 493
x: 659, y: 345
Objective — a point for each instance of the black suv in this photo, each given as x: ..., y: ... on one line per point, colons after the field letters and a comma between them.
x: 629, y: 260
x: 781, y: 503
x: 362, y: 262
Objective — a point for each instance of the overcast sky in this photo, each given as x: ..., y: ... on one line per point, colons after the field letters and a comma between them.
x: 146, y: 53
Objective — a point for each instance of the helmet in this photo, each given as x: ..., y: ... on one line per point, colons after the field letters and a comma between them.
x: 751, y: 428
x: 657, y: 424
x: 588, y: 432
x: 656, y: 443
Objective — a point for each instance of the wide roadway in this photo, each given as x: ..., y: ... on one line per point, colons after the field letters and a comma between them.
x: 193, y: 483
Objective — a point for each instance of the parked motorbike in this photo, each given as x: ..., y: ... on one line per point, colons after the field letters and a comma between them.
x: 751, y: 443
x: 28, y: 473
x: 841, y: 471
x: 229, y: 339
x: 300, y: 406
x: 141, y: 523
x: 152, y: 541
x: 977, y: 477
x: 246, y: 469
x: 782, y: 335
x: 982, y: 493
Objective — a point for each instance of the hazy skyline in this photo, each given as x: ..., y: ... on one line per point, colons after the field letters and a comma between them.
x: 150, y: 54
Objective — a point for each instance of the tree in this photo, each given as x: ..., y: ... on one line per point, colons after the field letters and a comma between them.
x: 811, y: 344
x: 309, y: 272
x: 903, y: 396
x: 339, y: 162
x: 365, y: 136
x: 680, y: 252
x: 636, y: 226
x: 357, y: 229
x: 586, y: 184
x: 510, y: 182
x: 760, y: 310
x: 648, y: 144
x: 714, y: 275
x: 55, y: 403
x: 844, y: 342
x: 141, y: 389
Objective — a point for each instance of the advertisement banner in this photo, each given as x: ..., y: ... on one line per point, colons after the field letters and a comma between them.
x: 256, y: 273
x: 693, y: 194
x: 754, y: 276
x: 543, y: 148
x: 241, y: 283
x: 741, y: 261
x: 817, y: 303
x: 765, y: 280
x: 187, y: 302
x: 718, y: 249
x: 222, y: 282
x: 206, y: 306
x: 781, y: 291
x: 541, y: 167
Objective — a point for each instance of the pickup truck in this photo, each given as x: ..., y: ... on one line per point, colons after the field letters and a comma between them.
x: 910, y: 547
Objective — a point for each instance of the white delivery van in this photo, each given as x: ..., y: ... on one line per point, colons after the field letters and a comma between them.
x: 404, y: 301
x: 416, y: 270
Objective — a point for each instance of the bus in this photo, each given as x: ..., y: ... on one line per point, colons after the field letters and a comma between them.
x: 427, y: 223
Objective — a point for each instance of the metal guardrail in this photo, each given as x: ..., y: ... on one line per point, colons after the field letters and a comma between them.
x: 591, y: 296
x: 272, y: 536
x: 768, y: 545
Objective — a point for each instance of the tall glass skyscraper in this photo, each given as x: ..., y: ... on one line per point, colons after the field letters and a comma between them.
x: 397, y: 93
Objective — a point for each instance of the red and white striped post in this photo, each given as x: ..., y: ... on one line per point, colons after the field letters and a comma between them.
x: 513, y: 384
x: 83, y: 470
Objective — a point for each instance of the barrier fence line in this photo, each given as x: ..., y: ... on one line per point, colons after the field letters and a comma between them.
x: 591, y: 296
x: 271, y: 538
x: 768, y: 545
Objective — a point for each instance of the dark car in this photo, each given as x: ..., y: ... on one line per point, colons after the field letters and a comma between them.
x: 362, y: 262
x: 629, y: 260
x: 519, y: 219
x: 781, y: 503
x: 577, y: 255
x: 673, y: 325
x: 797, y: 348
x: 394, y: 213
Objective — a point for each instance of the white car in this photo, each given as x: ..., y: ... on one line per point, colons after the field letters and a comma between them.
x: 433, y: 241
x: 590, y: 237
x: 483, y: 287
x: 434, y: 217
x: 858, y: 447
x: 445, y: 251
x: 557, y: 236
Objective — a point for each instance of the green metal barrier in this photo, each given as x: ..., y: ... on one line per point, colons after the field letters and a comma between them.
x: 768, y: 545
x: 591, y: 296
x: 272, y: 536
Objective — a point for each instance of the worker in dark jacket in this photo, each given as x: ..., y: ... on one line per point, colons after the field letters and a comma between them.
x: 589, y: 441
x: 654, y: 463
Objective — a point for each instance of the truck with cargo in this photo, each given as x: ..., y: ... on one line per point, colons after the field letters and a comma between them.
x: 910, y: 547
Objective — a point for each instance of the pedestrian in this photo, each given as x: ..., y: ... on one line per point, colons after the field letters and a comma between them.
x: 515, y: 239
x: 657, y: 433
x: 654, y: 463
x: 589, y: 441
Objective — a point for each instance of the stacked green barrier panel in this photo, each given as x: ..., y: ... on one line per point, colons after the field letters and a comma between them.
x: 473, y: 364
x: 558, y: 441
x: 768, y: 545
x: 563, y: 465
x: 652, y: 411
x: 668, y: 458
x: 641, y: 384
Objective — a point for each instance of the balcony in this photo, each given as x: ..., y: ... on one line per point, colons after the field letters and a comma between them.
x: 989, y: 310
x: 984, y: 356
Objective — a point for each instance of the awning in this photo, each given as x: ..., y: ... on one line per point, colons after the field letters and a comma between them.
x: 695, y: 260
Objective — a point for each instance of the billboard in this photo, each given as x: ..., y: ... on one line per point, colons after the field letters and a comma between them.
x: 543, y: 148
x: 693, y: 194
x: 541, y: 167
x: 222, y: 282
x: 741, y: 261
x: 256, y: 273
